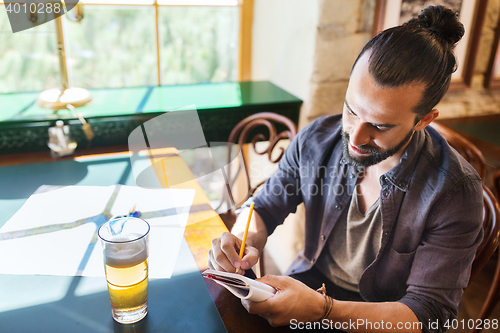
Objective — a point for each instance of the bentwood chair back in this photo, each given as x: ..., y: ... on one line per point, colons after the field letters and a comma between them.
x: 491, y: 228
x: 261, y: 127
x: 490, y: 242
x: 464, y: 147
x: 496, y: 184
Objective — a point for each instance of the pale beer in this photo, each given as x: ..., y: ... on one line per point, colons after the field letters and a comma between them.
x: 126, y: 267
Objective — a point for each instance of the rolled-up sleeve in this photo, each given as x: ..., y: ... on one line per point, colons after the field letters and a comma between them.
x: 433, y: 315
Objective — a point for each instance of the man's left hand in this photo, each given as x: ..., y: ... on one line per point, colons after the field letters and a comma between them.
x: 293, y: 300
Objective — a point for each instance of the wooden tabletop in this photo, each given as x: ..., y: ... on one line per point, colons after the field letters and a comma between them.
x: 204, y: 224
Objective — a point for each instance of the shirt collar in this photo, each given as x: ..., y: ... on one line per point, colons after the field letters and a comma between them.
x: 400, y: 176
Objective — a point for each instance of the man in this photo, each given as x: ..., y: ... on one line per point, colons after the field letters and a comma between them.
x: 393, y: 214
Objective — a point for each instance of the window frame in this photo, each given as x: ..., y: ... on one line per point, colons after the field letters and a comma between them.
x: 244, y: 35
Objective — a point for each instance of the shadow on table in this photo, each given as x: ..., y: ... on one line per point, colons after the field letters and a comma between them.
x: 179, y: 304
x: 20, y: 181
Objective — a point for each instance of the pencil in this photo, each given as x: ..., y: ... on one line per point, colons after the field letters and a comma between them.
x: 242, y: 249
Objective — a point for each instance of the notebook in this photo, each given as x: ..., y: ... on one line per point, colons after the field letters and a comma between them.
x: 241, y: 286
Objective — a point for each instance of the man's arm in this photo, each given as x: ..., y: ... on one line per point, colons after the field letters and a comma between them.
x: 296, y: 303
x: 375, y: 317
x: 279, y: 196
x: 442, y: 262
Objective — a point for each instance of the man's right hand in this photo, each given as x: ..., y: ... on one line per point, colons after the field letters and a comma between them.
x: 224, y: 254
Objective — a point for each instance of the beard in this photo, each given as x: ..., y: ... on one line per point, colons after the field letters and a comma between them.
x: 376, y: 155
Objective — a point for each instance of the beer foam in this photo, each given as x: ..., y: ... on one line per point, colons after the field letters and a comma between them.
x: 125, y: 254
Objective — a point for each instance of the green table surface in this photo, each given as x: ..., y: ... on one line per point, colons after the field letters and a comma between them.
x: 115, y: 112
x: 34, y: 303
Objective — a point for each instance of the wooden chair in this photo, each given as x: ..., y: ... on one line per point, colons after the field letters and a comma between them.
x: 496, y: 184
x: 239, y: 135
x: 491, y: 217
x: 464, y: 147
x: 490, y: 242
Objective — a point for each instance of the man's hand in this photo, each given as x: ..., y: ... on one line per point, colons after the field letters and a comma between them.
x: 224, y: 254
x: 293, y: 300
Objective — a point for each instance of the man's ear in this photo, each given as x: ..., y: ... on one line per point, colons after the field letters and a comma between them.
x: 426, y: 120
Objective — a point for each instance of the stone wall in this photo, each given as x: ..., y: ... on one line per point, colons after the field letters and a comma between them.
x: 283, y: 39
x: 344, y: 27
x: 476, y: 100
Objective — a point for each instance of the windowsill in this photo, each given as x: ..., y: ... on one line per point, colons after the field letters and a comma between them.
x: 115, y: 112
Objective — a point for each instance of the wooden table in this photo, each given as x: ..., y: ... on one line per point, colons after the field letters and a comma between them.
x: 203, y: 225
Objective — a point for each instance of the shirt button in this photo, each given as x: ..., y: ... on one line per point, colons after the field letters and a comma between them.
x: 313, y: 261
x: 323, y: 237
x: 338, y: 207
x: 385, y: 193
x: 402, y: 184
x: 352, y: 175
x: 342, y: 160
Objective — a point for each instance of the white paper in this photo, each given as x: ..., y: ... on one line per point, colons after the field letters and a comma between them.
x: 55, y: 233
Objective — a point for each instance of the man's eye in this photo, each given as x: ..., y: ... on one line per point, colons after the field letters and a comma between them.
x: 381, y: 129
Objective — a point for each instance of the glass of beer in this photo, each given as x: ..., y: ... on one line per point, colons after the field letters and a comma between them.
x: 125, y: 247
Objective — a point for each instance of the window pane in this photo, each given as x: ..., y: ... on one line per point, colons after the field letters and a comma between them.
x: 198, y: 44
x: 122, y: 2
x: 113, y: 47
x: 198, y: 2
x: 28, y: 59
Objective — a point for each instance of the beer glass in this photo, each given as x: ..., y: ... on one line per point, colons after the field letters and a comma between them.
x: 125, y: 248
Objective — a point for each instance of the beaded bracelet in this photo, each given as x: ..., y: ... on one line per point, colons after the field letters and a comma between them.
x: 328, y: 305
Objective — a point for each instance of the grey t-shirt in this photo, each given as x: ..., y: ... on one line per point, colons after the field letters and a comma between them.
x: 352, y: 246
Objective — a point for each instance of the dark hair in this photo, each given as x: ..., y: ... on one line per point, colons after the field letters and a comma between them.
x: 419, y: 51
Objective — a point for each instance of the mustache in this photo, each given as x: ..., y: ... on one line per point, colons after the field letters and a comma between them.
x: 362, y: 148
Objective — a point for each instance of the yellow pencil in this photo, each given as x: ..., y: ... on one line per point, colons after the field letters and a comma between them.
x: 242, y: 249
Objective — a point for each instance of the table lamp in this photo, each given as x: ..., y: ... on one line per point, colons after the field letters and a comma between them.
x: 66, y: 97
x: 59, y: 98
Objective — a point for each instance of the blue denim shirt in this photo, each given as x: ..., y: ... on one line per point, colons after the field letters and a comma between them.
x: 431, y: 206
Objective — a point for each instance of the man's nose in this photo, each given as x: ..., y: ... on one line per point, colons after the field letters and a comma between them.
x: 360, y: 134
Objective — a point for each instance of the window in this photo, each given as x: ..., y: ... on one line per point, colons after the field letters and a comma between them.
x: 128, y: 43
x: 28, y: 59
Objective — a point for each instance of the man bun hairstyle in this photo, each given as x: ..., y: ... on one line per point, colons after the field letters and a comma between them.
x: 443, y: 22
x: 420, y: 51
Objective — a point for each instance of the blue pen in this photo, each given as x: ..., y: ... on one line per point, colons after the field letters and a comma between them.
x: 134, y: 213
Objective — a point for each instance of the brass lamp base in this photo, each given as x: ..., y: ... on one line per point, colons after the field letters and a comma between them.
x: 57, y: 99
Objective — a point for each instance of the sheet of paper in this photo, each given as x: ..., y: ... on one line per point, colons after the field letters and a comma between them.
x: 55, y: 232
